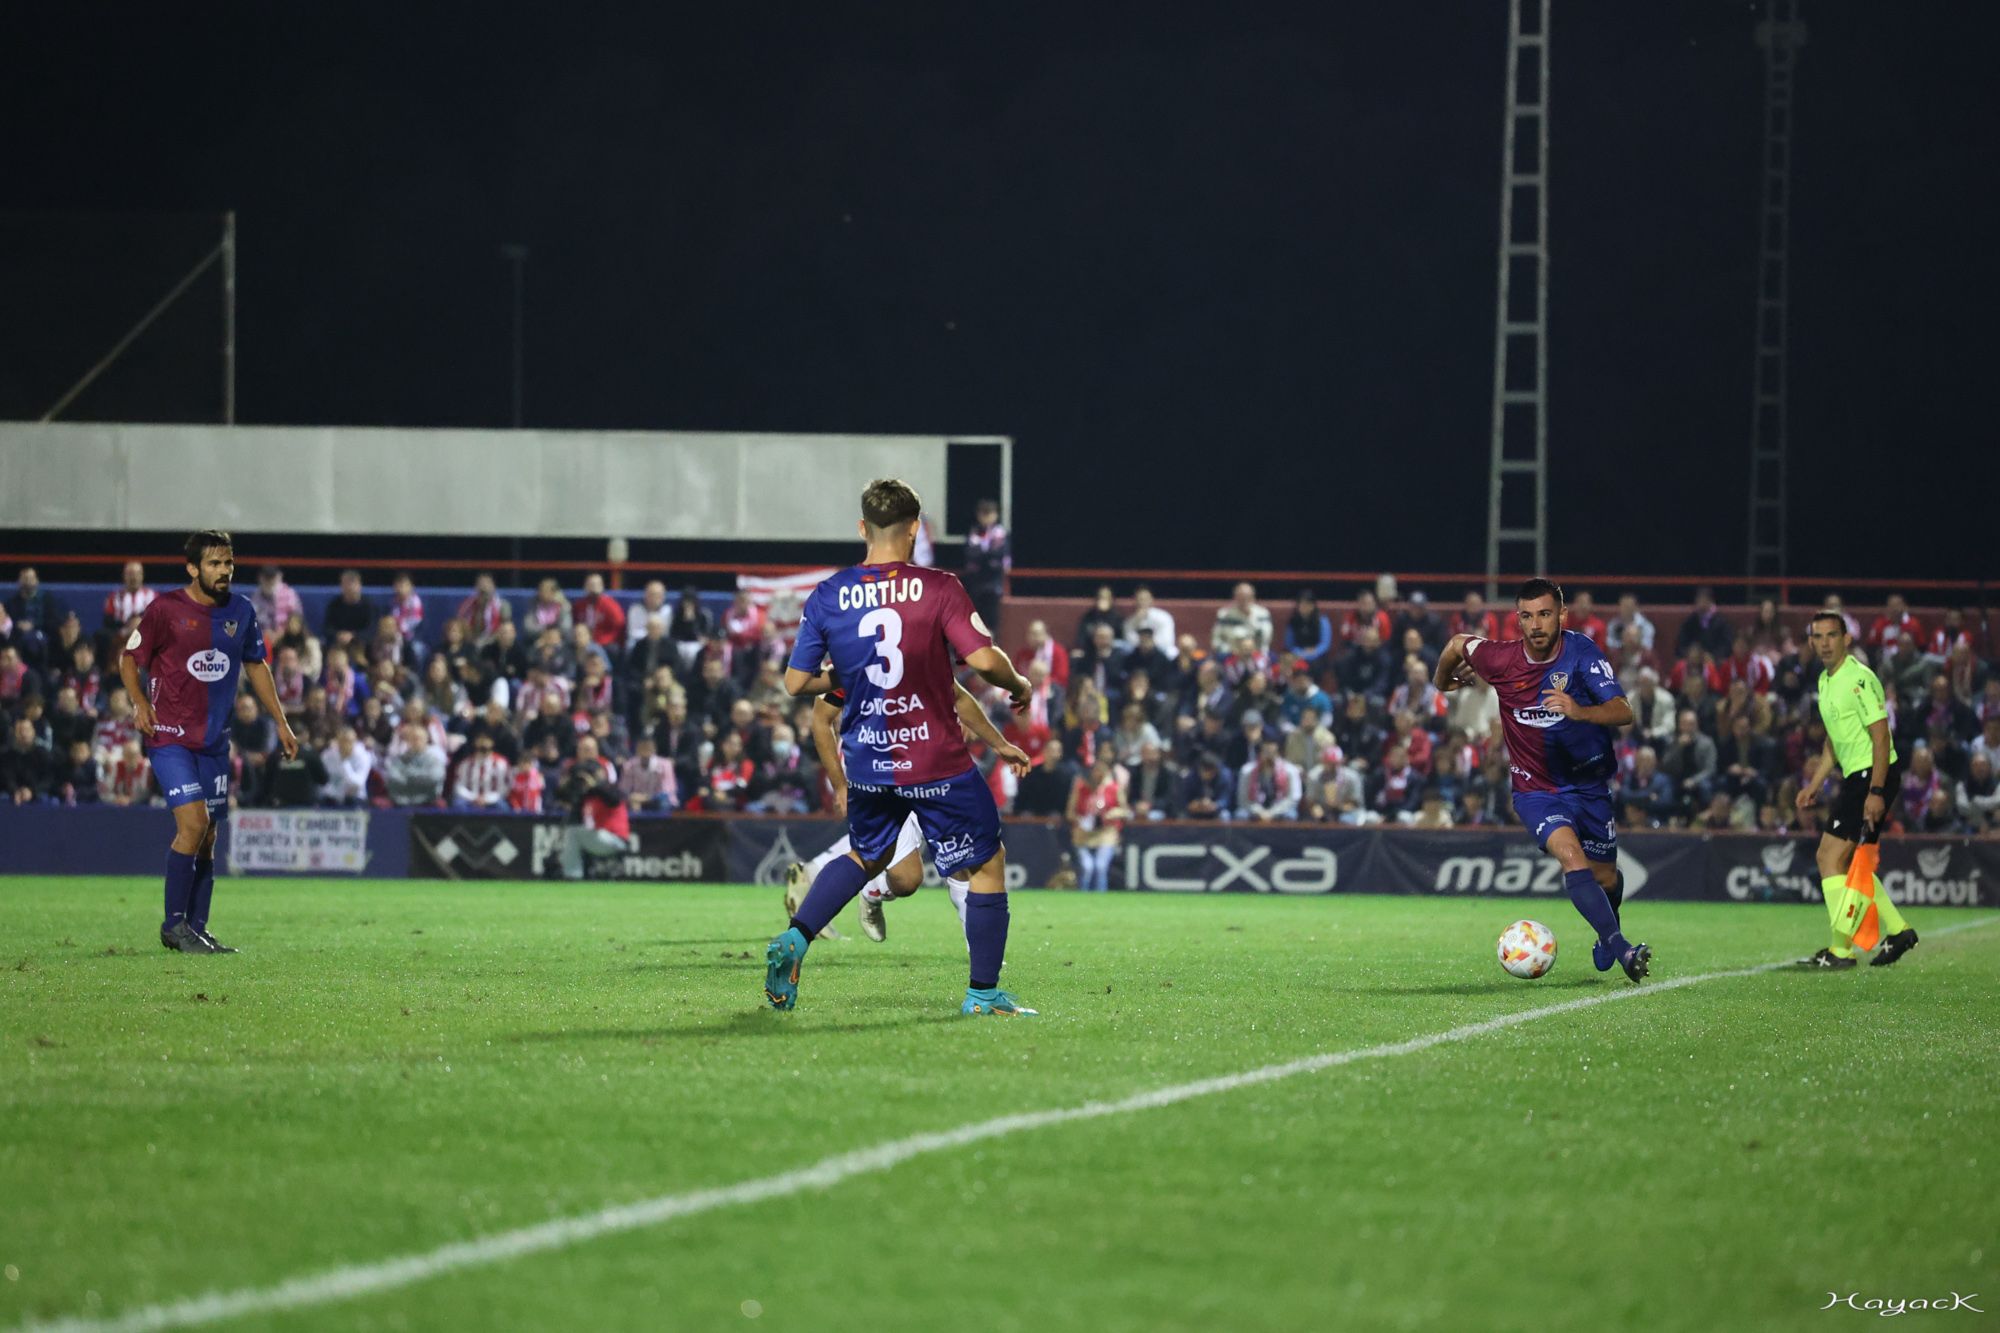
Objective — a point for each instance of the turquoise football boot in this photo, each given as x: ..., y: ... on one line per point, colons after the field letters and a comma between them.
x: 996, y: 1002
x: 781, y: 968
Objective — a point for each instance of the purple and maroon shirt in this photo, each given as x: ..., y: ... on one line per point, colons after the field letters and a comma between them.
x: 192, y: 656
x: 1547, y: 751
x: 894, y: 632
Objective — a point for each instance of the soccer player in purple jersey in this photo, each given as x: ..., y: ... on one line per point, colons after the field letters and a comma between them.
x: 892, y: 630
x: 192, y: 644
x: 1559, y: 700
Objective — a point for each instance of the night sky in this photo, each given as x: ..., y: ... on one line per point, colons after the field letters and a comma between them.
x: 1228, y: 280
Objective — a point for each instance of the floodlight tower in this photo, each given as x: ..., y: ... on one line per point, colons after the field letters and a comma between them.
x: 1520, y: 446
x: 1781, y: 34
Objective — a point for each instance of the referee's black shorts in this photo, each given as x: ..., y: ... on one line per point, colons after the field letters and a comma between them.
x: 1846, y: 822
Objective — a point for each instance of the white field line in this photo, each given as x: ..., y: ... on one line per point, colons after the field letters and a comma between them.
x: 347, y: 1283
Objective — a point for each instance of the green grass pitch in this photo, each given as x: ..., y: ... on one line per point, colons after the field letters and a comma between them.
x: 390, y: 1067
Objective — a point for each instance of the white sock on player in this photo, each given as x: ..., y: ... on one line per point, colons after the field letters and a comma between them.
x: 876, y: 890
x: 958, y: 889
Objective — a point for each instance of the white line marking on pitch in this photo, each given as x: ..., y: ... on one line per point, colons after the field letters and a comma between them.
x: 342, y: 1284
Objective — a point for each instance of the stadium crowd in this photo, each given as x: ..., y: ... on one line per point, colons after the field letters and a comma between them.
x: 1301, y: 712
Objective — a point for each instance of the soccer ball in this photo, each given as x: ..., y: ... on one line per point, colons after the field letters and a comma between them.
x: 1527, y: 949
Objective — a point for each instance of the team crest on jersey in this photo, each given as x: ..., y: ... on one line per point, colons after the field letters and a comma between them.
x: 229, y: 628
x: 1558, y: 680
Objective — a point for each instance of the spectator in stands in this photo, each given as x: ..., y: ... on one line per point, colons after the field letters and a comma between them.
x: 68, y: 722
x: 27, y: 772
x: 275, y: 600
x: 1208, y: 791
x: 1698, y: 697
x: 33, y: 608
x: 128, y: 778
x: 692, y: 625
x: 1416, y: 614
x: 1100, y: 661
x: 1309, y: 740
x: 1417, y: 696
x: 1744, y: 664
x: 77, y: 781
x: 1366, y: 615
x: 1433, y: 807
x: 1241, y: 613
x: 526, y: 785
x: 297, y: 781
x: 732, y: 777
x: 19, y: 682
x: 1133, y: 734
x: 1896, y: 626
x: 1689, y: 762
x: 989, y: 555
x: 1653, y: 710
x: 1268, y: 786
x: 1309, y: 631
x: 446, y: 696
x: 1336, y: 793
x: 743, y: 626
x: 1395, y: 788
x: 1583, y: 618
x: 388, y: 645
x: 1768, y: 631
x: 130, y: 598
x: 1988, y: 740
x: 350, y: 617
x: 305, y: 645
x: 484, y: 611
x: 505, y: 655
x: 1629, y: 626
x: 1719, y: 815
x: 1153, y: 785
x: 342, y: 685
x: 1921, y: 782
x: 254, y: 738
x: 1472, y: 617
x: 1257, y: 697
x: 407, y: 606
x: 1044, y: 649
x: 1147, y: 614
x: 1103, y: 610
x: 1705, y: 625
x: 348, y: 766
x: 1178, y: 684
x: 582, y: 649
x: 1747, y: 762
x: 652, y: 606
x: 1243, y: 659
x: 114, y: 727
x: 599, y: 612
x: 549, y: 722
x: 484, y: 776
x: 648, y: 780
x: 1366, y: 668
x: 1044, y: 792
x: 1978, y: 795
x: 680, y: 738
x: 548, y: 611
x: 1302, y: 695
x: 1146, y: 659
x: 711, y: 695
x: 1098, y: 810
x: 1944, y: 709
x: 414, y: 771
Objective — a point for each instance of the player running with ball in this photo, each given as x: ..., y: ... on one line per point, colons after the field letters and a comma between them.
x: 1559, y: 700
x: 193, y: 643
x: 892, y: 630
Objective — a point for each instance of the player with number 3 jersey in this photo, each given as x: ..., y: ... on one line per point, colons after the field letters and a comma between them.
x: 888, y: 633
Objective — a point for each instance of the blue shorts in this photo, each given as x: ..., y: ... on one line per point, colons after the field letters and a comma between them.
x: 957, y: 815
x: 1588, y: 811
x: 186, y: 775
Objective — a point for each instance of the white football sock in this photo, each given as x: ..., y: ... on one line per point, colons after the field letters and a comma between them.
x: 959, y: 889
x: 876, y: 890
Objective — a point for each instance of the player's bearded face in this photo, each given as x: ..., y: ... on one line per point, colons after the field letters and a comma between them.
x: 215, y: 573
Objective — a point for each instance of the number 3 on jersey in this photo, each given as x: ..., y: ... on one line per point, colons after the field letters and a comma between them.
x: 889, y: 647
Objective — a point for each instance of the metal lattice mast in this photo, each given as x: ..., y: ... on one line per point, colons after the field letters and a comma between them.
x: 1781, y: 34
x: 1521, y: 326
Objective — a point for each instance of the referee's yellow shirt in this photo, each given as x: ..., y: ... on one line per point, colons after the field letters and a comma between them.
x: 1850, y: 699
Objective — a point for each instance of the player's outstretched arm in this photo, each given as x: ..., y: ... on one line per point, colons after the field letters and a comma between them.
x: 799, y: 683
x: 258, y: 674
x: 973, y: 718
x: 997, y: 669
x: 825, y: 717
